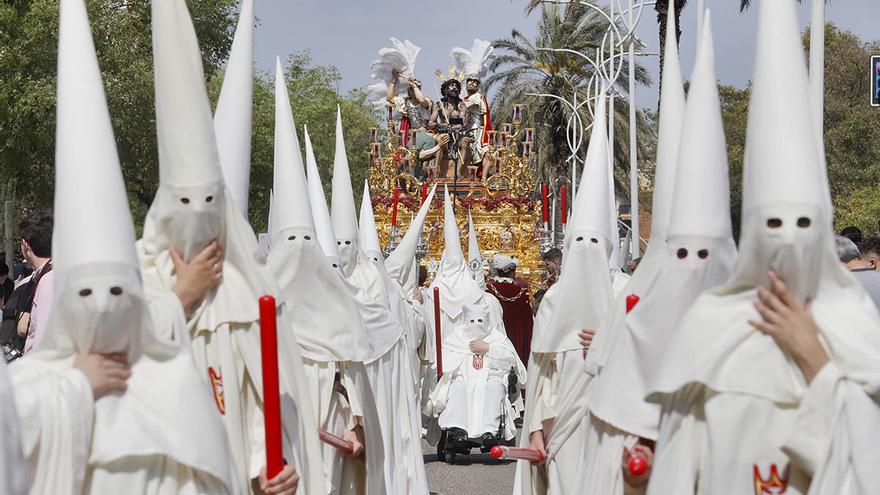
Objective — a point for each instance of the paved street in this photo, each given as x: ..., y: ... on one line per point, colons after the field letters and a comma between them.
x: 477, y: 474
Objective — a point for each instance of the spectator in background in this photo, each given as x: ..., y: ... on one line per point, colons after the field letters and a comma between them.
x: 552, y: 266
x: 36, y: 247
x: 863, y: 270
x: 513, y: 294
x: 6, y: 285
x: 536, y: 300
x: 870, y: 251
x: 852, y: 233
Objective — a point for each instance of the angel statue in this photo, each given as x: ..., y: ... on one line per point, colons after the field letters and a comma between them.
x: 398, y: 90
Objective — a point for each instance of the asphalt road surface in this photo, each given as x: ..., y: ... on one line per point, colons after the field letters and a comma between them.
x: 476, y: 474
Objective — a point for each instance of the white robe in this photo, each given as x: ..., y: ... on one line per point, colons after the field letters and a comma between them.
x: 13, y: 468
x: 556, y: 402
x: 391, y: 379
x: 472, y: 394
x: 339, y: 411
x: 56, y: 412
x: 228, y: 356
x: 77, y: 445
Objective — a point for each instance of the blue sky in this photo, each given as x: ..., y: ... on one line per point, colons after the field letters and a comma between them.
x: 348, y: 33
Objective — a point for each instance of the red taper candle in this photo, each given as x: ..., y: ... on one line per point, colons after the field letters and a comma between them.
x: 531, y: 455
x: 544, y: 206
x: 437, y: 333
x: 424, y: 191
x: 564, y: 203
x: 271, y: 401
x: 394, y: 207
x: 336, y: 442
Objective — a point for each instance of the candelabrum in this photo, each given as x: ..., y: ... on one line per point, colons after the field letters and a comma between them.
x: 393, y: 241
x: 547, y: 240
x: 421, y: 249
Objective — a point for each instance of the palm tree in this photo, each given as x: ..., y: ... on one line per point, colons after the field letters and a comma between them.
x: 522, y: 67
x: 661, y: 6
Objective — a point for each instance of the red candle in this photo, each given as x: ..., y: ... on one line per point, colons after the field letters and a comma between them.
x: 271, y: 401
x: 394, y: 207
x: 545, y: 207
x: 438, y: 338
x: 531, y: 455
x: 564, y: 205
x: 335, y: 441
x: 424, y: 191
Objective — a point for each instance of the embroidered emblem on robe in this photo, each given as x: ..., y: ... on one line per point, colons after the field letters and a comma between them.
x: 217, y: 387
x: 477, y: 362
x: 773, y: 484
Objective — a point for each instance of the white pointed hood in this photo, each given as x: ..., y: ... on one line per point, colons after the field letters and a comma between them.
x: 342, y: 208
x: 582, y: 295
x: 312, y: 289
x: 318, y: 202
x: 475, y: 257
x: 786, y: 227
x: 99, y: 304
x: 783, y: 175
x: 457, y: 287
x: 592, y: 210
x: 234, y: 114
x: 368, y: 236
x: 699, y: 254
x: 193, y: 207
x: 668, y: 134
x: 401, y: 261
x: 290, y: 208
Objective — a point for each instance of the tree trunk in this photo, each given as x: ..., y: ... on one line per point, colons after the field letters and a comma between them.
x: 661, y: 7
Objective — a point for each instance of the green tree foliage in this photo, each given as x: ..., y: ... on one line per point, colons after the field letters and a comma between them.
x: 852, y: 132
x: 121, y: 30
x: 521, y: 68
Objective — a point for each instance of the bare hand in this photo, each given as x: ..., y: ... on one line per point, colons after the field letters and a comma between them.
x: 586, y: 338
x: 283, y: 484
x: 442, y: 139
x: 536, y: 441
x: 645, y: 453
x: 356, y: 437
x: 417, y: 296
x: 196, y: 278
x: 479, y: 347
x: 106, y: 373
x: 791, y: 326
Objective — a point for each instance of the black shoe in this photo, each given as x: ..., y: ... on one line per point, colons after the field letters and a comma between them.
x: 457, y: 437
x: 489, y: 441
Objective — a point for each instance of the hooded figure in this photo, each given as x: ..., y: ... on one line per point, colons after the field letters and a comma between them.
x: 335, y: 347
x: 699, y: 254
x: 390, y: 373
x: 234, y: 114
x: 738, y: 414
x: 161, y: 435
x: 557, y: 390
x: 453, y: 278
x: 192, y: 208
x: 672, y: 104
x: 475, y: 258
x: 471, y: 398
